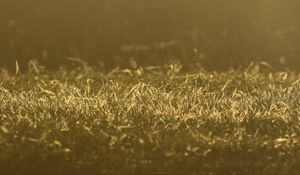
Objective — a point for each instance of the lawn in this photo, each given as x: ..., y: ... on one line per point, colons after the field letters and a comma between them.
x: 150, y: 121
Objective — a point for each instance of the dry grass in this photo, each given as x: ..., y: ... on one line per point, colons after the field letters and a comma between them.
x: 147, y: 122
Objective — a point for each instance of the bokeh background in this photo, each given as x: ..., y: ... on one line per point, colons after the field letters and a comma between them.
x: 107, y: 33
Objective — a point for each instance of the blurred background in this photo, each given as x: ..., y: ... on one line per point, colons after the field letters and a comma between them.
x: 218, y: 34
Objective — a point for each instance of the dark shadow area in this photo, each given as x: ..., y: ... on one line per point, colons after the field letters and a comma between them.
x: 218, y: 34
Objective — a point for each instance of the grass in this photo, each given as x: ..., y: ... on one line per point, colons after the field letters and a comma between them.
x: 243, y: 121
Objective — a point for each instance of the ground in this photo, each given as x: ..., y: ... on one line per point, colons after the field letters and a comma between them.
x: 150, y: 121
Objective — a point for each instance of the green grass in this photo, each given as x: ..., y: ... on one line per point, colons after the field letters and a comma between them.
x: 162, y: 121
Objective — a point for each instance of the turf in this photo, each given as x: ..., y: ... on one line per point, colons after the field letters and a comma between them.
x: 243, y: 121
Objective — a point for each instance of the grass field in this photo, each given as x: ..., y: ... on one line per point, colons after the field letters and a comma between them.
x: 158, y: 121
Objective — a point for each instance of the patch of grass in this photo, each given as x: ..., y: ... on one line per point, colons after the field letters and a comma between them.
x: 150, y: 122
